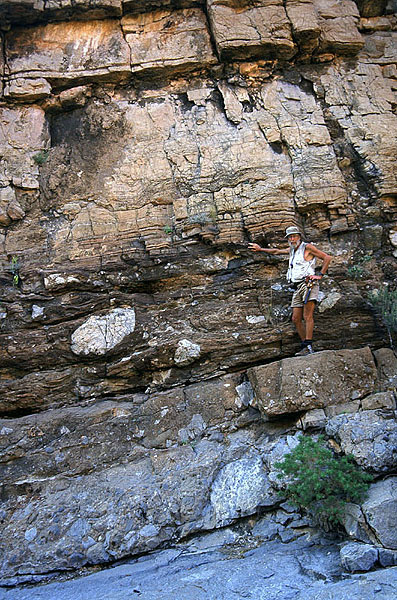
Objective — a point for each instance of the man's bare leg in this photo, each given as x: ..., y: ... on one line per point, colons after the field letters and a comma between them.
x: 297, y: 316
x: 308, y: 312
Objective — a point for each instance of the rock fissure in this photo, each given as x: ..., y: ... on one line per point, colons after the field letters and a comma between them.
x: 212, y: 36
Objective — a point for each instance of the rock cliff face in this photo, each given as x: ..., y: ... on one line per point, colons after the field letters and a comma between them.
x: 146, y: 378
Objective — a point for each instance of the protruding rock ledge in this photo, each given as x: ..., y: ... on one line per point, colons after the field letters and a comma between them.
x: 65, y: 53
x: 171, y: 40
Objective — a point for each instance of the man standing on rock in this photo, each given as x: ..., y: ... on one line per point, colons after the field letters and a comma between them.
x: 302, y: 276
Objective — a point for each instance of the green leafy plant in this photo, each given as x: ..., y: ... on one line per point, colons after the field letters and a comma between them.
x: 41, y: 157
x: 172, y: 231
x: 384, y: 302
x: 320, y: 482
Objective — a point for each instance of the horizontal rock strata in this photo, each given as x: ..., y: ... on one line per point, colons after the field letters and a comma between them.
x: 147, y: 385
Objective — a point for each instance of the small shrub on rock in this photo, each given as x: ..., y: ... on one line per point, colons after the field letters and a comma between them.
x: 41, y: 157
x: 320, y: 482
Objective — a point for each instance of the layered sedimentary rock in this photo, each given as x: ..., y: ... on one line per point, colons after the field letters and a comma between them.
x: 143, y: 145
x: 90, y: 484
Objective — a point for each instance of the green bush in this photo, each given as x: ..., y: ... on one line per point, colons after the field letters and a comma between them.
x: 320, y: 482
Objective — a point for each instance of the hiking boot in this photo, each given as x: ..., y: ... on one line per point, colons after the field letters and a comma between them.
x: 305, y: 351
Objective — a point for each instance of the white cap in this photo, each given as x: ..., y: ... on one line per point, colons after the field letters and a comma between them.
x: 292, y: 231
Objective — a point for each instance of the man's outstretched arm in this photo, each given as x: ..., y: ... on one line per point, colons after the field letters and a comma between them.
x: 276, y: 251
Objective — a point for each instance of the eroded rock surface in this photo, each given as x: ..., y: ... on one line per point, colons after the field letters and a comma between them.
x: 370, y: 436
x: 143, y: 145
x: 231, y: 563
x: 324, y: 379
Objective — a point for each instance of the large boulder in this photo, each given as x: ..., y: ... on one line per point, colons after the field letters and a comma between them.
x: 370, y: 436
x: 380, y: 511
x: 317, y: 381
x: 240, y: 489
x: 99, y: 334
x: 375, y: 521
x: 358, y: 557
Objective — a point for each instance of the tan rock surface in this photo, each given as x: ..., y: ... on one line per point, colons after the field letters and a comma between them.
x: 355, y: 107
x: 61, y: 52
x: 25, y: 12
x: 28, y: 90
x: 338, y: 23
x: 259, y: 31
x: 199, y: 176
x: 169, y: 40
x: 23, y: 135
x: 323, y: 379
x: 305, y: 24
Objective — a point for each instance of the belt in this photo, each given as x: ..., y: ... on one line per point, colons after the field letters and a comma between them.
x: 296, y: 284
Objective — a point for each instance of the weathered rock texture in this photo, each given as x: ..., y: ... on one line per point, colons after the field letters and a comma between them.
x: 325, y: 379
x: 90, y: 484
x: 229, y: 563
x: 142, y: 145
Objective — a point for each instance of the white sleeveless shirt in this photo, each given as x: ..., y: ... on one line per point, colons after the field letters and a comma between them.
x: 298, y: 267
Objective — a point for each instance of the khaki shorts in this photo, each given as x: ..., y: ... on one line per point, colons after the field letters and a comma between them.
x: 298, y: 298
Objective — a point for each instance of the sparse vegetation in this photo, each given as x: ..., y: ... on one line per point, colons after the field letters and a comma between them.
x: 384, y: 302
x: 16, y: 279
x: 213, y: 214
x: 203, y: 218
x: 41, y: 157
x: 320, y: 482
x: 358, y: 270
x: 172, y: 231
